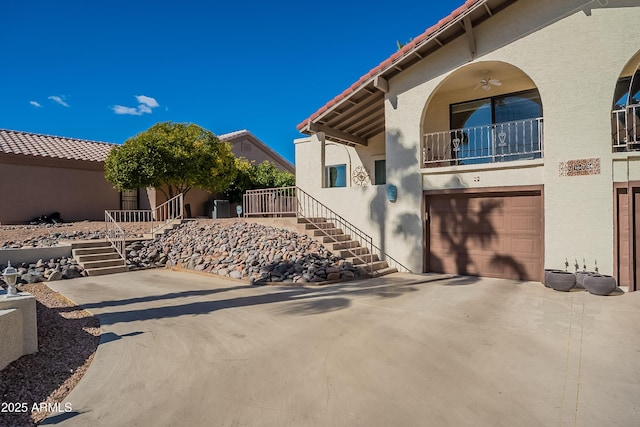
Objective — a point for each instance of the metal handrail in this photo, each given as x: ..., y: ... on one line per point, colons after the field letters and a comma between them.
x: 625, y: 128
x: 168, y: 211
x: 159, y: 217
x: 499, y: 142
x: 295, y: 201
x: 115, y: 235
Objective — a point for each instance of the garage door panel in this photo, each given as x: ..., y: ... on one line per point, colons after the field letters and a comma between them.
x: 492, y: 235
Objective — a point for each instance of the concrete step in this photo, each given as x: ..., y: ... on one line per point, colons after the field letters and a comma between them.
x: 336, y: 238
x: 345, y: 244
x: 107, y: 270
x: 323, y: 225
x: 346, y: 253
x: 97, y: 257
x: 102, y: 263
x: 311, y: 219
x: 329, y: 231
x: 377, y: 265
x: 83, y: 244
x: 385, y: 271
x: 92, y: 251
x: 364, y: 258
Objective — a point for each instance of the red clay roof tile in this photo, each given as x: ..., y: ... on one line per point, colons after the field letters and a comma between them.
x: 31, y: 144
x: 389, y: 61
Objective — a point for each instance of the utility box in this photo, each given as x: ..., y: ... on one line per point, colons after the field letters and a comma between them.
x: 221, y: 209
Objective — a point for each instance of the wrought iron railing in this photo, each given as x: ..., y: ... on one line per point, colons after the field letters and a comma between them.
x: 115, y: 235
x: 625, y: 128
x: 500, y: 142
x: 293, y: 201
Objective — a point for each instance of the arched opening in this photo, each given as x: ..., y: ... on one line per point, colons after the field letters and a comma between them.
x: 484, y: 112
x: 625, y: 111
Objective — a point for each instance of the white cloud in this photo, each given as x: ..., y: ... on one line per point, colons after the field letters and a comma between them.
x: 148, y: 101
x: 59, y: 100
x: 35, y: 104
x: 119, y: 109
x: 145, y: 106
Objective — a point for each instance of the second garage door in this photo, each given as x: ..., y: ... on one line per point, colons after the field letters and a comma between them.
x: 498, y: 234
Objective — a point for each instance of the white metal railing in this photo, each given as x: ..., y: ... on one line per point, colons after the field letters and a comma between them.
x: 625, y: 128
x: 115, y: 235
x: 158, y: 217
x: 500, y: 142
x: 170, y: 210
x: 293, y: 201
x: 270, y: 201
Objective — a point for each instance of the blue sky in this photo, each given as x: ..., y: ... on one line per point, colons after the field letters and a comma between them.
x: 106, y: 71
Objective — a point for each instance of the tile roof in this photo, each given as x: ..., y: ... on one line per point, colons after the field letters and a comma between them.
x: 33, y: 144
x: 406, y: 50
x: 231, y: 135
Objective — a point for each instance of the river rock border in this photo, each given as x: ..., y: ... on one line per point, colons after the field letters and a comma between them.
x: 257, y: 253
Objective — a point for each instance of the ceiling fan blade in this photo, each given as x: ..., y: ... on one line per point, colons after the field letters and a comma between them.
x: 495, y: 82
x: 478, y: 87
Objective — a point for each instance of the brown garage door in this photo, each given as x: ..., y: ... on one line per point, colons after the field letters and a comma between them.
x: 628, y: 235
x: 488, y: 234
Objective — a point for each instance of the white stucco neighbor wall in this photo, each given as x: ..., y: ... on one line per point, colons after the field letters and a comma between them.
x: 574, y: 52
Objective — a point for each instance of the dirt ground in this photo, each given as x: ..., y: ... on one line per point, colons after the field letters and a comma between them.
x: 20, y: 233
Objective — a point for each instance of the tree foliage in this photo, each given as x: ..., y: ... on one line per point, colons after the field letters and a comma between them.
x: 177, y: 156
x: 250, y: 177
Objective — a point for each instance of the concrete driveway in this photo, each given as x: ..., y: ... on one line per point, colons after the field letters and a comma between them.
x: 182, y: 349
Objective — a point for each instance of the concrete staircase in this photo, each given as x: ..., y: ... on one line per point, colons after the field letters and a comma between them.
x: 98, y: 257
x: 165, y: 228
x: 349, y: 249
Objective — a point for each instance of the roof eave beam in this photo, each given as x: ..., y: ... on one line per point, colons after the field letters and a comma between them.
x: 333, y: 133
x: 381, y: 84
x: 471, y: 40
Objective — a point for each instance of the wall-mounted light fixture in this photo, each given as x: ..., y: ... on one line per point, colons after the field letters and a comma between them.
x: 392, y: 193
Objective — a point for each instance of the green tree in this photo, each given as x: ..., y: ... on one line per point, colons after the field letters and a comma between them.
x: 251, y: 177
x: 175, y: 156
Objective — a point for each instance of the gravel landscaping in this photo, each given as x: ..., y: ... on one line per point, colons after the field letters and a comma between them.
x: 67, y: 341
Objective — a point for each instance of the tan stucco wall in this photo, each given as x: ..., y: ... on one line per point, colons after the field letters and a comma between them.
x: 248, y: 147
x: 574, y: 58
x: 29, y: 190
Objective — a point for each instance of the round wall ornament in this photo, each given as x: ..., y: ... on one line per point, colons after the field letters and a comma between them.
x: 360, y: 176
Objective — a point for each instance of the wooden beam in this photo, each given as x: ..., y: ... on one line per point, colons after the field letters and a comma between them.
x: 468, y: 29
x: 333, y: 133
x: 381, y: 84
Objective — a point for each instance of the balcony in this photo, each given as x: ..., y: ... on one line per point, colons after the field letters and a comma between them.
x: 501, y: 142
x: 625, y: 129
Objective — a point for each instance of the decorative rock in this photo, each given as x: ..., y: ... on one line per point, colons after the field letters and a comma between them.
x: 56, y: 275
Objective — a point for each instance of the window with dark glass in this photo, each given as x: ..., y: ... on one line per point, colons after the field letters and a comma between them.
x: 380, y: 172
x: 336, y: 176
x: 499, y: 128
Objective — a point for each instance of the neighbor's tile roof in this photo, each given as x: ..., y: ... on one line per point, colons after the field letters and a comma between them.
x: 33, y: 144
x: 406, y: 50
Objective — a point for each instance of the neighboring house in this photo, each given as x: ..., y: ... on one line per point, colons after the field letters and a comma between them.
x: 243, y: 144
x: 511, y: 130
x: 42, y: 174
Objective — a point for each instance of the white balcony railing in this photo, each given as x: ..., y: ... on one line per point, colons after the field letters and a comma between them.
x: 501, y: 142
x: 625, y: 128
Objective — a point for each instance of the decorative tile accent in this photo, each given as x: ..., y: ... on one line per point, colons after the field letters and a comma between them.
x: 360, y: 176
x: 580, y: 167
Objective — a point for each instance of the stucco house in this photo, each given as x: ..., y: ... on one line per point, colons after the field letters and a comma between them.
x: 510, y: 132
x: 41, y: 174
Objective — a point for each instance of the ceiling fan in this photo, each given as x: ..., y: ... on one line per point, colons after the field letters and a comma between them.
x: 486, y: 82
